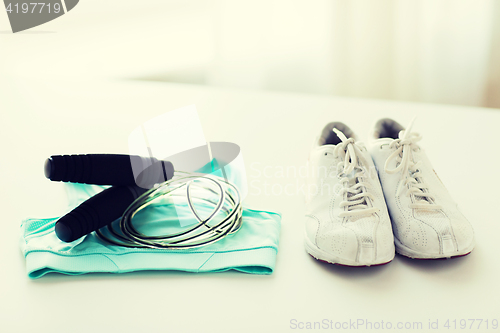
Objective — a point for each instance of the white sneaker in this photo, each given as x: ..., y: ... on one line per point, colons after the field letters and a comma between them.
x: 426, y: 221
x: 347, y: 221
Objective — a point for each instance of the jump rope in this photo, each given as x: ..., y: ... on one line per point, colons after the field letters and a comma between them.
x: 125, y: 199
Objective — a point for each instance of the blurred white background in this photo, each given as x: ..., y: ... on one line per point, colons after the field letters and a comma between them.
x: 438, y: 51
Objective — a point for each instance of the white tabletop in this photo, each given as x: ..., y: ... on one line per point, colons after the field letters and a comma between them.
x: 275, y: 132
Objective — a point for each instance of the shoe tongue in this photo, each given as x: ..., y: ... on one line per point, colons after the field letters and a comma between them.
x: 358, y: 206
x: 353, y: 181
x: 384, y: 141
x: 420, y: 199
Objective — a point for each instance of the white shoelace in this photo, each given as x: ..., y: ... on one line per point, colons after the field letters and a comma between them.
x: 411, y: 177
x: 357, y: 197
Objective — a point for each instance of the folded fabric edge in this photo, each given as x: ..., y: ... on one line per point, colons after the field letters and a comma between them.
x: 254, y: 261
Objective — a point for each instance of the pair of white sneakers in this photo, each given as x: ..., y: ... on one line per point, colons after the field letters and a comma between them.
x: 347, y: 218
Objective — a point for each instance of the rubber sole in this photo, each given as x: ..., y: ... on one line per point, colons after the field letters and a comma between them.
x: 445, y: 258
x: 323, y: 256
x: 406, y: 252
x: 337, y: 264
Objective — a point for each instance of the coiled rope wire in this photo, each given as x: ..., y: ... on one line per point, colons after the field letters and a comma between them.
x: 203, y: 233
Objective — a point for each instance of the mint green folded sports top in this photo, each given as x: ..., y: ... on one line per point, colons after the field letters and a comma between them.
x: 252, y: 249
